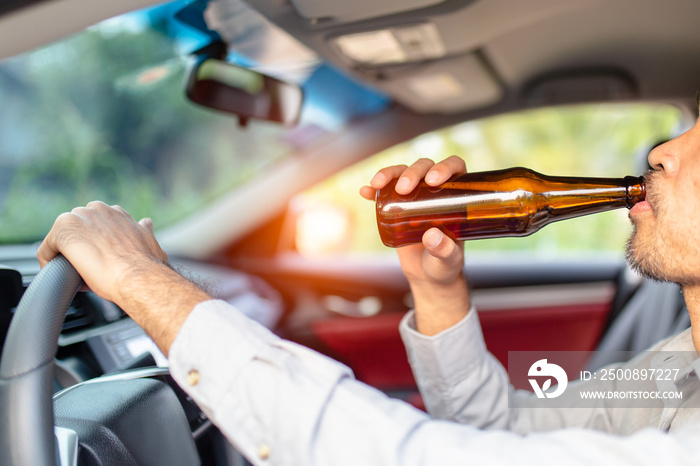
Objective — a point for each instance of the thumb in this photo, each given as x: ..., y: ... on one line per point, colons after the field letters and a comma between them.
x: 445, y: 257
x: 438, y: 244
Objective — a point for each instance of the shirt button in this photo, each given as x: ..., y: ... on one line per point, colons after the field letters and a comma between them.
x: 193, y: 377
x: 263, y: 451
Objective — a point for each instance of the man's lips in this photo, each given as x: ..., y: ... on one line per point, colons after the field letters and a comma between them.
x: 640, y: 207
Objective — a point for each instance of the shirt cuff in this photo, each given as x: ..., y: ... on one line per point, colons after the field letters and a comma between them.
x: 262, y: 392
x: 215, y: 334
x: 448, y: 356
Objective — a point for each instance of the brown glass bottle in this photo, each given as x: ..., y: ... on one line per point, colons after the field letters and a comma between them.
x: 511, y: 202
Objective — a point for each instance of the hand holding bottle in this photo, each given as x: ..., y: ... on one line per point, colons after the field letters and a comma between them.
x: 434, y: 267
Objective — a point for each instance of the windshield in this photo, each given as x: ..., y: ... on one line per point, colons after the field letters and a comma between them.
x: 102, y: 115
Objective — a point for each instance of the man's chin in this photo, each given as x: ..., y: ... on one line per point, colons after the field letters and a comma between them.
x: 643, y: 260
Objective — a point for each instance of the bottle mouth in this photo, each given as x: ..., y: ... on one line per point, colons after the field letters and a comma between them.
x: 635, y: 189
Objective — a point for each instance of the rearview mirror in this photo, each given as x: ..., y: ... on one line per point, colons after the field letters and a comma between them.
x: 233, y: 89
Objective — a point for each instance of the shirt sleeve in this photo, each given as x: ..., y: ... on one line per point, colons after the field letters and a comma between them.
x: 282, y: 404
x: 458, y: 378
x: 461, y: 381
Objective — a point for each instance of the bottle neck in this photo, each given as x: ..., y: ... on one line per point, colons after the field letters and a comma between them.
x: 572, y: 197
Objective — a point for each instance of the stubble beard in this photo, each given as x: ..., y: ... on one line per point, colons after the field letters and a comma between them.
x: 646, y: 251
x: 646, y: 259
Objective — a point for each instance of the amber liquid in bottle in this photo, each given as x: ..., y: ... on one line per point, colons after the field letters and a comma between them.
x: 511, y: 202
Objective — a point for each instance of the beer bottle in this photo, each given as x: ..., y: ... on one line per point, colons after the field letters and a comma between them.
x: 510, y: 202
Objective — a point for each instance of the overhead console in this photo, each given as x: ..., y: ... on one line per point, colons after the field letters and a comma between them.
x: 341, y: 11
x: 446, y: 86
x: 412, y: 63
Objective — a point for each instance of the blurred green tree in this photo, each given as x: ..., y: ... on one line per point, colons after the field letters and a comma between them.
x: 102, y: 115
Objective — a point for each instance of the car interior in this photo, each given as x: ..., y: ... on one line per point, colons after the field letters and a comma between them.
x: 344, y: 89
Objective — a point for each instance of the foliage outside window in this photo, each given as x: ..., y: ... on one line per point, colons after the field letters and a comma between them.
x: 102, y: 115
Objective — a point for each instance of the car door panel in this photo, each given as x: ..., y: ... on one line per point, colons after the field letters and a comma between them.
x: 549, y: 306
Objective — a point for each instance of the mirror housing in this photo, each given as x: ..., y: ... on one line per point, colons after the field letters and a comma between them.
x: 223, y: 86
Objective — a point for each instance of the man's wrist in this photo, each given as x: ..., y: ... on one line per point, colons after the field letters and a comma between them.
x: 159, y: 299
x: 136, y: 279
x: 439, y: 305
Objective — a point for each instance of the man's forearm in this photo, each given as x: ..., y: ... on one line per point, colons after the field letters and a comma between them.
x: 159, y: 300
x: 439, y: 307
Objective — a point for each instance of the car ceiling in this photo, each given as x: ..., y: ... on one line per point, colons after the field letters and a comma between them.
x: 527, y: 52
x: 532, y: 51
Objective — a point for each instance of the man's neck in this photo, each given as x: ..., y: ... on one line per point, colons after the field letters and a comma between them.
x: 691, y: 294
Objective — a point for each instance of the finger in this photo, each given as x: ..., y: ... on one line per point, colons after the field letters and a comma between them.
x: 147, y: 223
x: 368, y: 192
x: 385, y: 175
x: 80, y: 210
x: 46, y: 252
x: 442, y: 248
x: 444, y: 170
x: 48, y: 249
x: 96, y: 204
x: 413, y: 175
x: 123, y: 211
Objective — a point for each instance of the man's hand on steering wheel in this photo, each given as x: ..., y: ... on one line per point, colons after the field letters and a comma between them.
x: 121, y: 261
x: 104, y: 244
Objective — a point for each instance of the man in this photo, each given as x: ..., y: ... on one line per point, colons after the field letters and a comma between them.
x: 280, y: 403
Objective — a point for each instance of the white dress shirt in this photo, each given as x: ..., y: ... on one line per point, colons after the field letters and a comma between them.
x: 280, y: 403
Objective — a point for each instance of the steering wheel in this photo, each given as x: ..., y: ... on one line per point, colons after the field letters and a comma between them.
x: 136, y: 421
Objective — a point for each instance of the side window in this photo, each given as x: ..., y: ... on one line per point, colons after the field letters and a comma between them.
x: 584, y: 140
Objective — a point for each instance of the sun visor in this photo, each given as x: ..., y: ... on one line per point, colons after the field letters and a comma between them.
x: 345, y: 11
x: 582, y: 86
x: 448, y: 86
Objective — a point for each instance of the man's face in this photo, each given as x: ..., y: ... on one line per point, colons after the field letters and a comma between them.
x: 665, y: 244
